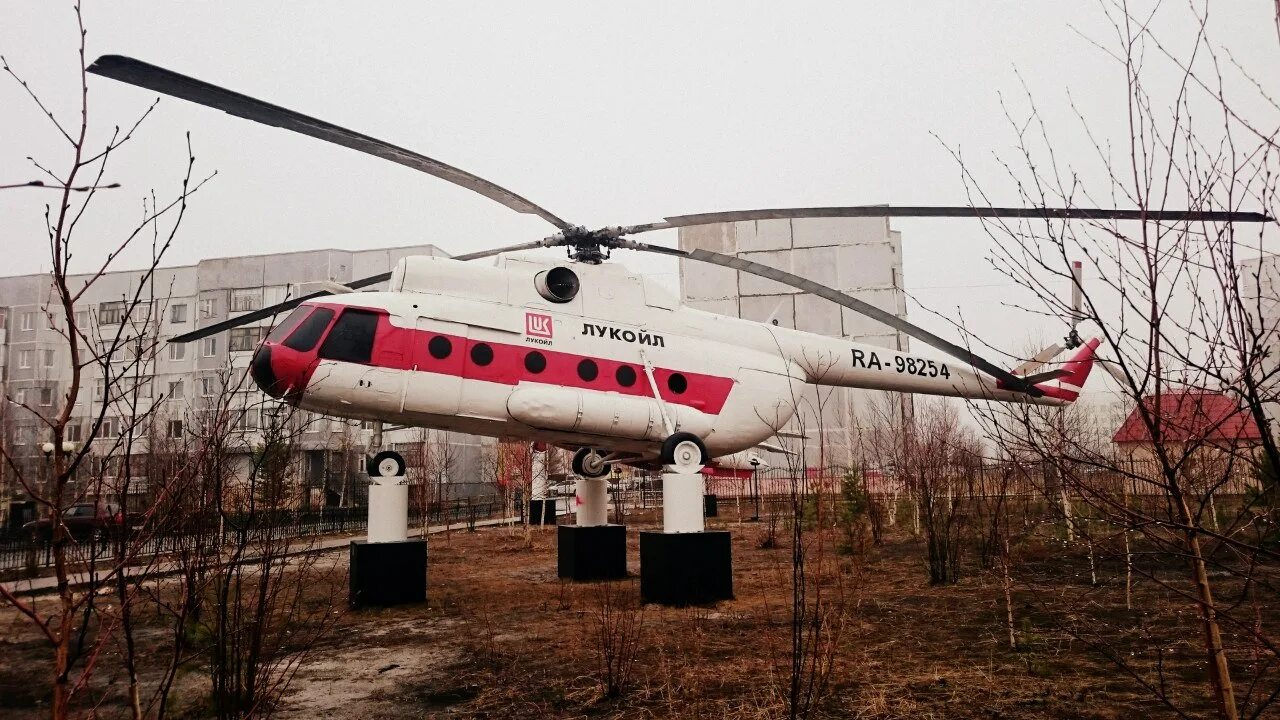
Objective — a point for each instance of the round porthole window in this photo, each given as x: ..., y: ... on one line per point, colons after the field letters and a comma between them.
x: 625, y: 375
x: 677, y: 383
x: 440, y: 347
x: 535, y: 362
x: 588, y: 370
x: 481, y: 354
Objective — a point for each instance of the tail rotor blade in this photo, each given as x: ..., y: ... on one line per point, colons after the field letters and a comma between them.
x: 1038, y: 360
x: 1077, y: 294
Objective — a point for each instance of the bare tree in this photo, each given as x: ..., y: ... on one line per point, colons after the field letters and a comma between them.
x: 107, y: 440
x: 1169, y: 301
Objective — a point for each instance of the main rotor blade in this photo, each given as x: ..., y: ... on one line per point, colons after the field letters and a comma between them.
x: 272, y: 310
x: 287, y: 305
x: 960, y: 211
x: 136, y: 72
x: 549, y: 242
x: 1009, y: 380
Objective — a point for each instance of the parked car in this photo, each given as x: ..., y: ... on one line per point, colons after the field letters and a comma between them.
x: 564, y: 488
x: 83, y: 520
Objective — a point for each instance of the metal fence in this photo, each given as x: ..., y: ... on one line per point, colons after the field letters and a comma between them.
x: 1221, y: 475
x: 23, y: 550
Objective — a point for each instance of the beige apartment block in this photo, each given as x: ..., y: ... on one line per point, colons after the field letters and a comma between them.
x: 182, y: 379
x: 858, y: 256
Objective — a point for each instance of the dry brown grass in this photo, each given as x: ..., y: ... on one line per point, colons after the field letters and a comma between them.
x: 502, y: 637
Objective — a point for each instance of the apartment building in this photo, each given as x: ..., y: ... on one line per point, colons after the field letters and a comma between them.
x: 177, y: 380
x: 858, y: 256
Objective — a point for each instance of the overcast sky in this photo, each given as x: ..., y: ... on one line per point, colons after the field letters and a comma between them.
x: 603, y: 113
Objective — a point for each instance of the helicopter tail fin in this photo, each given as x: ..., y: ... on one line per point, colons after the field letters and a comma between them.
x: 1071, y: 376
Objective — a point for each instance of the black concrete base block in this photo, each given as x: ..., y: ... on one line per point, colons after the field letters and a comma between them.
x: 686, y: 568
x: 710, y: 506
x: 542, y: 512
x: 592, y: 553
x: 388, y: 573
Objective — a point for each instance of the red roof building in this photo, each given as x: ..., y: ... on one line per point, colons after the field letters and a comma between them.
x: 1195, y: 416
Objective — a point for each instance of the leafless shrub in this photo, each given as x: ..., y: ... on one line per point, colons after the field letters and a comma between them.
x: 617, y: 634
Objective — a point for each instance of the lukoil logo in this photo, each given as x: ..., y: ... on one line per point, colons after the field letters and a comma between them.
x: 537, y: 325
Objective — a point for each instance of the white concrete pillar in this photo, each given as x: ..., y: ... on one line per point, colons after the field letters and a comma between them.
x: 592, y: 499
x: 682, y: 502
x: 538, y: 465
x: 388, y: 510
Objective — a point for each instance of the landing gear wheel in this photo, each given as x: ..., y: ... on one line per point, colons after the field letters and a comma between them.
x: 386, y: 464
x: 684, y: 452
x: 590, y: 464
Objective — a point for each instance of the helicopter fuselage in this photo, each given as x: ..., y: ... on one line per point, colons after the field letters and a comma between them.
x: 619, y: 366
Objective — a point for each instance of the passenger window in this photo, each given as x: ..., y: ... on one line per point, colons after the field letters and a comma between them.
x: 308, y: 333
x: 351, y: 339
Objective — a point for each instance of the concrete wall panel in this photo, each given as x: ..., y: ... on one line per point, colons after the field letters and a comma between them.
x: 770, y: 235
x: 818, y: 264
x: 772, y: 307
x: 810, y: 232
x: 818, y: 315
x: 867, y: 266
x: 704, y: 281
x: 857, y: 324
x: 755, y: 285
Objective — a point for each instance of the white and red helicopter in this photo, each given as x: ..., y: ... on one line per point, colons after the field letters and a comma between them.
x: 585, y: 354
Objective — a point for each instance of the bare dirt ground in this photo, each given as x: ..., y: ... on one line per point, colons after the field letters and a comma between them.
x: 502, y: 637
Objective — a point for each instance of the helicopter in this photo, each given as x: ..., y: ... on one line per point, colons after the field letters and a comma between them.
x: 584, y: 353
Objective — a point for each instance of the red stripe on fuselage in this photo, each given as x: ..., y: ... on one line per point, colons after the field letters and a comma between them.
x: 402, y: 348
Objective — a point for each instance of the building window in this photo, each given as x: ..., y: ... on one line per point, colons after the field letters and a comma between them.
x: 82, y: 320
x: 178, y: 313
x: 46, y: 396
x: 175, y: 429
x: 142, y: 387
x: 176, y: 389
x: 246, y: 299
x: 177, y: 351
x: 28, y: 321
x: 20, y: 396
x: 71, y: 433
x: 209, y: 346
x: 351, y: 339
x: 111, y: 313
x: 99, y: 389
x: 109, y: 428
x: 247, y: 420
x: 208, y: 308
x: 24, y: 358
x: 208, y: 386
x: 244, y: 339
x: 48, y: 358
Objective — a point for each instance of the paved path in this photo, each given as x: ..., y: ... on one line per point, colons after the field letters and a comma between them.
x: 297, y: 546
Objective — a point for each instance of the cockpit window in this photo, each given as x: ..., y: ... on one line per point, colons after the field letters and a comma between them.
x: 308, y: 333
x: 351, y: 339
x: 286, y: 326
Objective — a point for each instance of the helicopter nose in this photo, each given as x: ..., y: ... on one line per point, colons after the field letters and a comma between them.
x: 264, y: 375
